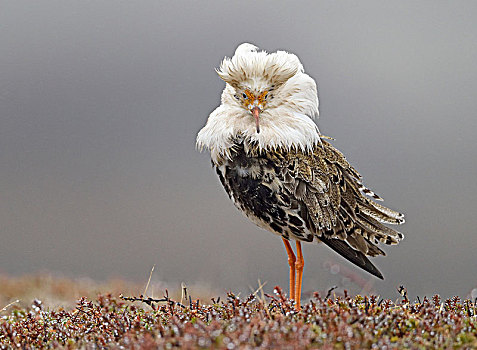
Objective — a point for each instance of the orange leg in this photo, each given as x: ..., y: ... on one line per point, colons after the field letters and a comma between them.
x: 299, y: 264
x: 291, y: 262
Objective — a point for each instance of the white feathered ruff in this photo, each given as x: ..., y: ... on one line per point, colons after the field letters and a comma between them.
x: 286, y: 121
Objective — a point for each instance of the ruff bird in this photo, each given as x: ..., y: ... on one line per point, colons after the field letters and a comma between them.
x: 281, y: 172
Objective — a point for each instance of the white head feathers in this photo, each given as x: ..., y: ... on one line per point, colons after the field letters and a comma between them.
x: 249, y: 67
x: 276, y: 83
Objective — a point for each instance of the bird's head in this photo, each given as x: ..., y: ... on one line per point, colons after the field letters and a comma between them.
x: 268, y: 99
x: 255, y: 76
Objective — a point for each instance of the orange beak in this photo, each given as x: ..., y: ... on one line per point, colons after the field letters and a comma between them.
x: 256, y: 114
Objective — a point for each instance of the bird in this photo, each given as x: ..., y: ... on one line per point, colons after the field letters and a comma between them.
x: 282, y: 173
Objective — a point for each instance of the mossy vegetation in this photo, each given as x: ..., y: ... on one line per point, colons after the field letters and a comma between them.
x: 234, y: 322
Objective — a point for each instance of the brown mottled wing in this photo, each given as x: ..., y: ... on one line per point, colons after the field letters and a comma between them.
x: 335, y: 205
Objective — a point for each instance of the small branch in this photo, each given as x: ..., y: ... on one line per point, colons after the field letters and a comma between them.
x: 7, y: 306
x: 184, y: 292
x: 329, y: 292
x: 149, y: 280
x: 149, y: 301
x: 403, y: 292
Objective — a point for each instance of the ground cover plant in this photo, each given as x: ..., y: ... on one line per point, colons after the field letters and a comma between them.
x: 258, y: 320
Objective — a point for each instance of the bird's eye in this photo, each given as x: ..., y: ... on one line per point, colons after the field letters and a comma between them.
x: 243, y: 95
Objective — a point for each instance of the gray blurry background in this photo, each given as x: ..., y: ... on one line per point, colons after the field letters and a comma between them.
x: 100, y: 103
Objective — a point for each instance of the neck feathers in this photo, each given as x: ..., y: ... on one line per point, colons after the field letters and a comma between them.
x: 285, y: 132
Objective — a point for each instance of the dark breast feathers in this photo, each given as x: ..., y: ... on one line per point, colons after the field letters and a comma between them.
x: 310, y: 195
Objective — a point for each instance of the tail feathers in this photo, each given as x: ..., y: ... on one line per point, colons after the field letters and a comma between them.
x: 357, y: 241
x: 356, y: 257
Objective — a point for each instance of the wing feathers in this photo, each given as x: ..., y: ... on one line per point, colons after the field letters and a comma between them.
x: 356, y: 257
x: 336, y: 206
